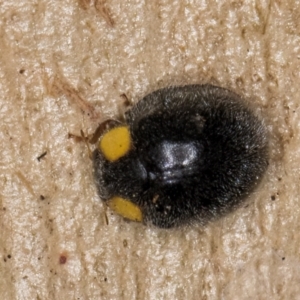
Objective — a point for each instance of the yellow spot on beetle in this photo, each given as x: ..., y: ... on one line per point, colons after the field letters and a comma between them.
x: 126, y: 209
x: 115, y: 143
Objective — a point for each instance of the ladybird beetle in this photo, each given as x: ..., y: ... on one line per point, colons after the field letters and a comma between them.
x: 183, y: 154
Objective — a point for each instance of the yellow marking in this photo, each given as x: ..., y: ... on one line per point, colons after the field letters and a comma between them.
x: 115, y: 143
x: 126, y: 209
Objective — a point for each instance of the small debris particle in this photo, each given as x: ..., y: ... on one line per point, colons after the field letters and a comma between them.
x: 273, y: 198
x: 41, y: 156
x: 42, y: 197
x: 62, y: 259
x: 283, y: 258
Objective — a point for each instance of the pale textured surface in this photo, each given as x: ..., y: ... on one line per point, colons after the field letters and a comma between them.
x: 252, y: 47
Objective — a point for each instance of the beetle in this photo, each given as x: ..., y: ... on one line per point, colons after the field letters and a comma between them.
x: 183, y: 154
